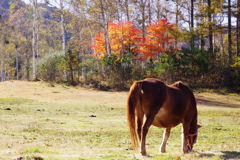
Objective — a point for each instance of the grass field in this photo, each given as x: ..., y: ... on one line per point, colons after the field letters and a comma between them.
x: 71, y: 123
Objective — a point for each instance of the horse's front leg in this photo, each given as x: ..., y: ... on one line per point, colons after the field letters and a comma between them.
x: 185, y: 139
x: 166, y: 135
x: 147, y: 122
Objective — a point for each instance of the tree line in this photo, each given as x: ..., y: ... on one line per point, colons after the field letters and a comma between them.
x: 110, y: 43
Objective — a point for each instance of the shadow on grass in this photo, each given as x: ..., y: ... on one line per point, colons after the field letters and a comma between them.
x: 203, y: 101
x: 205, y: 155
x: 221, y: 154
x: 230, y: 155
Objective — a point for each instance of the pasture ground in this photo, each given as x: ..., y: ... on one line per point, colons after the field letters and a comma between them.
x: 38, y: 122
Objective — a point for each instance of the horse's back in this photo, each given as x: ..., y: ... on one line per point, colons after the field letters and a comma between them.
x: 153, y: 89
x: 187, y: 93
x: 183, y: 103
x: 169, y: 103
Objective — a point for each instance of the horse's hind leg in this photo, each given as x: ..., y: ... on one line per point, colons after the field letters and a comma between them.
x: 166, y: 134
x: 139, y: 124
x: 147, y: 122
x: 139, y: 128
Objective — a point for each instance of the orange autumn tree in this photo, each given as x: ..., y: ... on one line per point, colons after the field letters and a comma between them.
x: 99, y: 45
x: 123, y: 37
x: 157, y: 40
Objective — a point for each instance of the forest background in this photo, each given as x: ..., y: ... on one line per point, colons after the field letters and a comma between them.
x: 108, y: 44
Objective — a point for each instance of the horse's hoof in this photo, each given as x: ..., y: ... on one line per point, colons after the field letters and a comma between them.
x: 163, y: 151
x: 187, y: 151
x: 147, y: 156
x: 143, y: 153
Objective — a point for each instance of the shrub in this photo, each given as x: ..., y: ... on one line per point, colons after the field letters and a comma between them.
x: 51, y: 67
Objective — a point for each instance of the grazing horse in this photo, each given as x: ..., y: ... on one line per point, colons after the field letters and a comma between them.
x: 151, y: 102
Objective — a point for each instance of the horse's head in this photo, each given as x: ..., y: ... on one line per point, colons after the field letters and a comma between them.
x: 192, y: 138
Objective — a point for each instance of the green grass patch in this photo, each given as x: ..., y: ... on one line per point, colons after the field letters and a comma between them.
x: 14, y: 101
x: 167, y: 157
x: 38, y: 149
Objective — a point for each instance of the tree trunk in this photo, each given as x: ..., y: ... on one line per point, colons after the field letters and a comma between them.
x: 238, y: 27
x: 192, y: 15
x: 229, y: 33
x: 34, y: 39
x: 127, y: 9
x: 17, y: 66
x: 105, y: 27
x: 230, y: 59
x: 210, y: 36
x: 192, y: 27
x: 149, y: 12
x: 2, y: 76
x: 176, y: 21
x: 238, y: 31
x: 142, y: 6
x: 70, y: 60
x: 63, y: 28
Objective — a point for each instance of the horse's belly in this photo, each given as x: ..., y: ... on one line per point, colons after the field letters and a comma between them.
x: 166, y: 120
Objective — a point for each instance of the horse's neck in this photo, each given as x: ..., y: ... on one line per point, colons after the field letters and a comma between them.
x: 193, y: 128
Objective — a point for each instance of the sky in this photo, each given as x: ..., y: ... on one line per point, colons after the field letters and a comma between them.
x: 51, y: 1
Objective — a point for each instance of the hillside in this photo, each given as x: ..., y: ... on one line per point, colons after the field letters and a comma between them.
x: 5, y: 6
x: 46, y: 10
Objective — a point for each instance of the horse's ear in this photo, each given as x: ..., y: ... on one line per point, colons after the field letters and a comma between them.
x: 199, y: 126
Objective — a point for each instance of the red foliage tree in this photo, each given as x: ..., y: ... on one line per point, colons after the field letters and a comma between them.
x: 157, y: 40
x: 125, y: 37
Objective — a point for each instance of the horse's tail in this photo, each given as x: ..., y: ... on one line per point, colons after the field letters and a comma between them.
x: 134, y: 100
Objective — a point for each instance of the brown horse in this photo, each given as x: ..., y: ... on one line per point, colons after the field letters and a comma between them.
x: 151, y: 102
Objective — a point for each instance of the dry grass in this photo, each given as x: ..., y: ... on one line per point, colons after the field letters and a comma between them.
x: 42, y: 122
